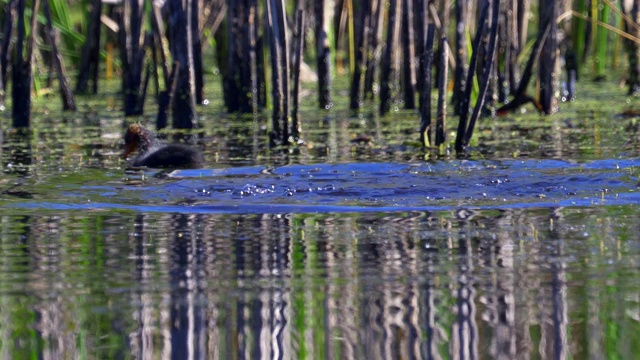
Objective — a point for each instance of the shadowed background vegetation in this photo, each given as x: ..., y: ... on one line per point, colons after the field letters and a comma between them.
x: 482, y: 57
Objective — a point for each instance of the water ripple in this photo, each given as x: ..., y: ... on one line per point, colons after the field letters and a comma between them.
x: 364, y: 187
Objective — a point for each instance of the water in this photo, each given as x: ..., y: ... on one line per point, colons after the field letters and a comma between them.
x: 529, y: 248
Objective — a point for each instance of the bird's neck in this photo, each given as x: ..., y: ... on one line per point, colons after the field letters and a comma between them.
x: 147, y: 141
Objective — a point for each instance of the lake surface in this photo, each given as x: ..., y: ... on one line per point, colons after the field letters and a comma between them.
x: 529, y: 248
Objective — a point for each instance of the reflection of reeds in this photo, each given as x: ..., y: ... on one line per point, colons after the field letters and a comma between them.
x: 444, y: 285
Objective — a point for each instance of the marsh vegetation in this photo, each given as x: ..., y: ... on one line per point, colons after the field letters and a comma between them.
x: 481, y: 58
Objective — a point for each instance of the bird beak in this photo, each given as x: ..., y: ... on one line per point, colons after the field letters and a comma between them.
x: 128, y: 149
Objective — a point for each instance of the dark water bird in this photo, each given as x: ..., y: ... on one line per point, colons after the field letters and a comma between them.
x: 156, y: 154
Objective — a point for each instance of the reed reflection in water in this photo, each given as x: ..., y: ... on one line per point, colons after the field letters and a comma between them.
x: 492, y: 284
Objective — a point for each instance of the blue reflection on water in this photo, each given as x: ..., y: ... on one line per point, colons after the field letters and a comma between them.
x: 363, y: 187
